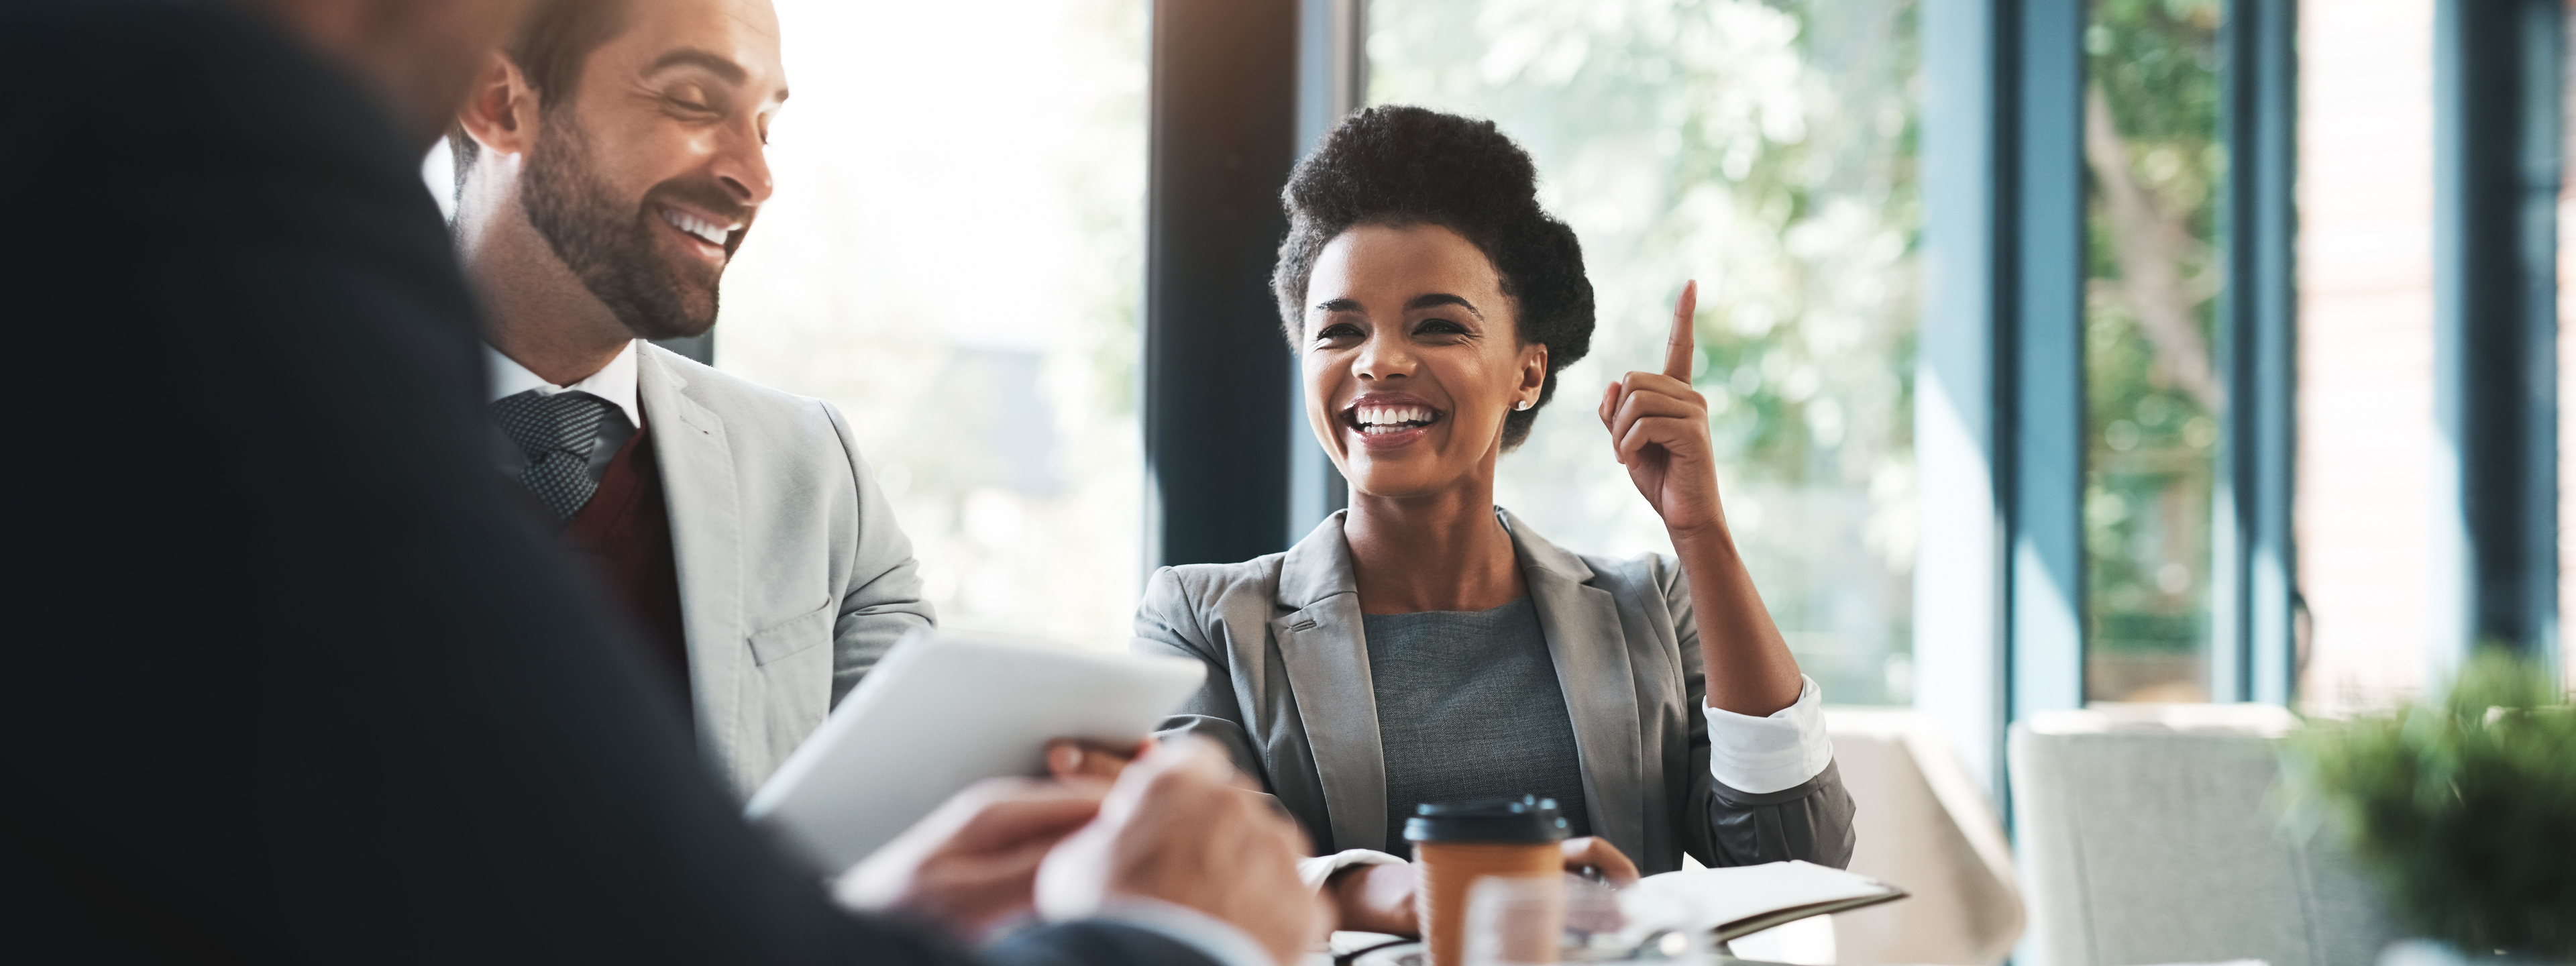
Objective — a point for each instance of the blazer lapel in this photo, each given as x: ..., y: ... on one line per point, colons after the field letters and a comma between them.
x: 1590, y: 648
x: 698, y: 487
x: 1325, y: 651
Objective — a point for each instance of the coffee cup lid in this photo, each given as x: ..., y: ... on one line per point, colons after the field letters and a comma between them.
x: 1525, y: 820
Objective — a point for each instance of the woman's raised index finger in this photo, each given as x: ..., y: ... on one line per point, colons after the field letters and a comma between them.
x: 1678, y: 349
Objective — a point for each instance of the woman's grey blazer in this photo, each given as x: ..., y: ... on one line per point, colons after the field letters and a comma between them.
x: 1288, y: 695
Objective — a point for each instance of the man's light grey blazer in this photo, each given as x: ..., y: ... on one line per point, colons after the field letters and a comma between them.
x: 794, y: 578
x: 1289, y: 695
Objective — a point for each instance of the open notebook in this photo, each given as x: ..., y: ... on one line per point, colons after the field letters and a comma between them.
x: 1721, y: 904
x: 1743, y: 900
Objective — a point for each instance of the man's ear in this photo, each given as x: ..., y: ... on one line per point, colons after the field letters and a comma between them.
x: 502, y: 113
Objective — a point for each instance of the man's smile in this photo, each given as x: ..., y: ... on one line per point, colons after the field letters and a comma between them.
x: 701, y: 229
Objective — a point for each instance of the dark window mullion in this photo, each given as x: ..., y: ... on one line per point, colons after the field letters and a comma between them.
x: 2252, y: 650
x: 2041, y: 355
x: 1223, y: 103
x: 2498, y: 72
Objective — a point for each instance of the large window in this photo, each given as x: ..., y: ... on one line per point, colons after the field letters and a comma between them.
x: 2367, y: 443
x: 2155, y: 395
x: 953, y: 257
x: 2567, y: 371
x: 1768, y: 151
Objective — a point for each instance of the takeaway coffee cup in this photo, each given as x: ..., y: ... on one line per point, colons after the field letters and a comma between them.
x: 1456, y: 844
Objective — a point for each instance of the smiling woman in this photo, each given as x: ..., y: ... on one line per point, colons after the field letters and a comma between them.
x: 1405, y: 384
x: 1456, y: 653
x: 1551, y: 297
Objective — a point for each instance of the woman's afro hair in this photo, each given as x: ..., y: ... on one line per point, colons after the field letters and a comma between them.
x: 1404, y: 166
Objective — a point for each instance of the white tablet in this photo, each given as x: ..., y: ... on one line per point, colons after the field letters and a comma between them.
x: 945, y: 710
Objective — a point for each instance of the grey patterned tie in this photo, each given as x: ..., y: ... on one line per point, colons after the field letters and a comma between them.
x: 557, y: 432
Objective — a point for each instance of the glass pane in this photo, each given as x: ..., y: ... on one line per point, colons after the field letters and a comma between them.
x: 2364, y: 506
x: 953, y: 258
x: 1767, y: 150
x: 2567, y: 369
x: 2153, y: 152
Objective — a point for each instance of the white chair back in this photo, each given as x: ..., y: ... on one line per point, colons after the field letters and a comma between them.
x: 1926, y: 826
x: 2152, y: 835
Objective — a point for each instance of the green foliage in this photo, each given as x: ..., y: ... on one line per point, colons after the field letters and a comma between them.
x: 2152, y: 419
x: 2158, y: 62
x: 1766, y: 148
x: 2464, y: 808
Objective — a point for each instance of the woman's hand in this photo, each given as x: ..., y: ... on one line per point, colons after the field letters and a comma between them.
x: 1375, y: 898
x: 1659, y: 431
x: 1379, y: 898
x: 1597, y: 854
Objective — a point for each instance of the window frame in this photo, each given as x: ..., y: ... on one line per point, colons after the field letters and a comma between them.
x: 2499, y: 69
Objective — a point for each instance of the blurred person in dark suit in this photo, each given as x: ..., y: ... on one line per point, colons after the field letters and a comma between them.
x: 293, y: 676
x: 610, y: 161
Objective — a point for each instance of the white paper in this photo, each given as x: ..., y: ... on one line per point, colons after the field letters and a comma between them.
x: 1712, y: 898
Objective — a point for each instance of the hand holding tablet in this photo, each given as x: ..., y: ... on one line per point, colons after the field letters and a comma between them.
x: 1173, y: 831
x: 944, y: 711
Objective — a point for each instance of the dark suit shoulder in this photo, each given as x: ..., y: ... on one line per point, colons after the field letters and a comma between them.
x: 244, y: 205
x: 198, y: 87
x: 1093, y: 943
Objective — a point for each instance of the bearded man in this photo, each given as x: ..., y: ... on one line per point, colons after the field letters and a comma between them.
x: 609, y: 165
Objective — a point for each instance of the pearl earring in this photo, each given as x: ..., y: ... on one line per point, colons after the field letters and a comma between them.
x: 1523, y: 404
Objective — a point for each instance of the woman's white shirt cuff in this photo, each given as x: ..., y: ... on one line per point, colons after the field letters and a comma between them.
x: 1315, y: 871
x: 1762, y: 755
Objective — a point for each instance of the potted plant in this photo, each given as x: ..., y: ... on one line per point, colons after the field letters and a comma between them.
x: 2463, y: 809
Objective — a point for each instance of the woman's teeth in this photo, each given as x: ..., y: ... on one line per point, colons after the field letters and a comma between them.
x: 1380, y: 420
x: 713, y: 233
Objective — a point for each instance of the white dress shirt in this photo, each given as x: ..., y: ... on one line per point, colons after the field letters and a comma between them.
x: 1779, y: 752
x: 614, y: 382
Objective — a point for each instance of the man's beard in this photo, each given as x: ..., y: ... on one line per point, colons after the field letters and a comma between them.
x: 611, y: 247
